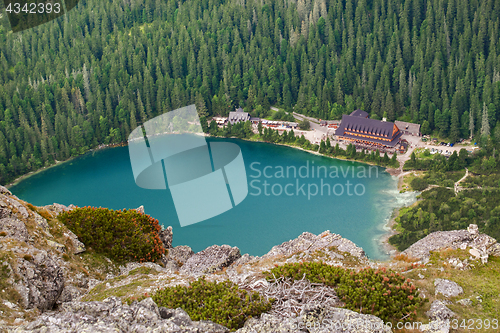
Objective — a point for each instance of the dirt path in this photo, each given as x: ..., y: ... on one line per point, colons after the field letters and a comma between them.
x: 458, y: 182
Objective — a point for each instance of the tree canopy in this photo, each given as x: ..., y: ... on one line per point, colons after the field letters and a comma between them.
x: 93, y: 75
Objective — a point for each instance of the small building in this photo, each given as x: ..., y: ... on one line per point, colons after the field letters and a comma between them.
x: 221, y: 121
x: 255, y: 120
x: 363, y: 130
x: 238, y: 116
x: 408, y: 128
x: 333, y: 124
x: 323, y: 123
x: 403, y: 146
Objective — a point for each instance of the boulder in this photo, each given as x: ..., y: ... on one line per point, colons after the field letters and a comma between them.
x: 125, y: 270
x: 454, y: 239
x: 311, y: 243
x: 42, y: 223
x: 447, y: 288
x: 69, y: 293
x: 12, y: 203
x: 111, y: 315
x: 267, y: 323
x: 42, y: 280
x: 177, y: 256
x: 465, y: 302
x: 325, y: 320
x: 439, y: 311
x: 56, y: 246
x: 58, y: 208
x: 473, y: 229
x: 77, y: 246
x: 436, y: 326
x: 246, y: 258
x: 14, y: 228
x: 342, y: 320
x: 210, y: 260
x: 4, y: 190
x: 140, y: 209
x: 166, y: 236
x: 180, y: 254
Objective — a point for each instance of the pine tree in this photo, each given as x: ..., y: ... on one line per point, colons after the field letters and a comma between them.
x: 485, y: 124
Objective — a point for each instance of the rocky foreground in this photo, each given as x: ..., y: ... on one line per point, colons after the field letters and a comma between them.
x: 49, y: 282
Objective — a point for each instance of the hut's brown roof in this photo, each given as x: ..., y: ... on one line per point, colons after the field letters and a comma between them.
x: 382, y: 132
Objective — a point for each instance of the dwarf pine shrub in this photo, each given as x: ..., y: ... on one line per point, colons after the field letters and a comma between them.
x: 122, y: 235
x: 385, y: 294
x: 223, y: 303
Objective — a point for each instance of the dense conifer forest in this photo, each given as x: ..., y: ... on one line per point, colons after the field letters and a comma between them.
x: 92, y: 76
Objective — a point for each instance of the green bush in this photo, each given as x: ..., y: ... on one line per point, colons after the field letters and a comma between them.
x: 419, y: 184
x: 382, y: 293
x: 305, y: 125
x: 223, y: 303
x: 121, y: 235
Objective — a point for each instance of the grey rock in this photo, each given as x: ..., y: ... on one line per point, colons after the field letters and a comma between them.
x: 111, y: 315
x: 465, y: 302
x: 342, y: 320
x: 177, y: 316
x: 324, y: 320
x: 439, y: 311
x: 473, y: 229
x: 42, y: 223
x: 69, y: 293
x: 4, y: 190
x: 179, y: 254
x: 455, y: 239
x: 246, y: 258
x: 77, y: 246
x: 42, y: 281
x: 267, y: 323
x: 58, y: 247
x: 58, y: 208
x: 171, y: 265
x: 124, y: 270
x: 166, y: 236
x: 176, y: 257
x: 14, y: 228
x: 310, y: 242
x: 14, y: 205
x: 206, y: 326
x: 494, y: 250
x: 140, y: 209
x: 436, y: 326
x: 447, y: 288
x: 210, y: 260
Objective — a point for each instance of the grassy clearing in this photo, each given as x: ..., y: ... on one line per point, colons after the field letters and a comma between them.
x: 406, y: 181
x: 130, y: 290
x: 480, y: 281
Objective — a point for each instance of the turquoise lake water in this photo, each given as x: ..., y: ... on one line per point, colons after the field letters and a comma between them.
x: 356, y: 206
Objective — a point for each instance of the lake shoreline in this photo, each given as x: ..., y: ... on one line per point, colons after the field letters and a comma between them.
x: 32, y: 173
x: 381, y: 241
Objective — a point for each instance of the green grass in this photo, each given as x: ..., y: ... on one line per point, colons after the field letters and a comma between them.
x: 100, y: 292
x: 481, y: 280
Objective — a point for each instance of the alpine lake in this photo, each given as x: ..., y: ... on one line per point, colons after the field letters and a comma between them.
x: 290, y: 191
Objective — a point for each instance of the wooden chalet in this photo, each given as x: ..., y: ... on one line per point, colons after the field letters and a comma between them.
x: 361, y: 129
